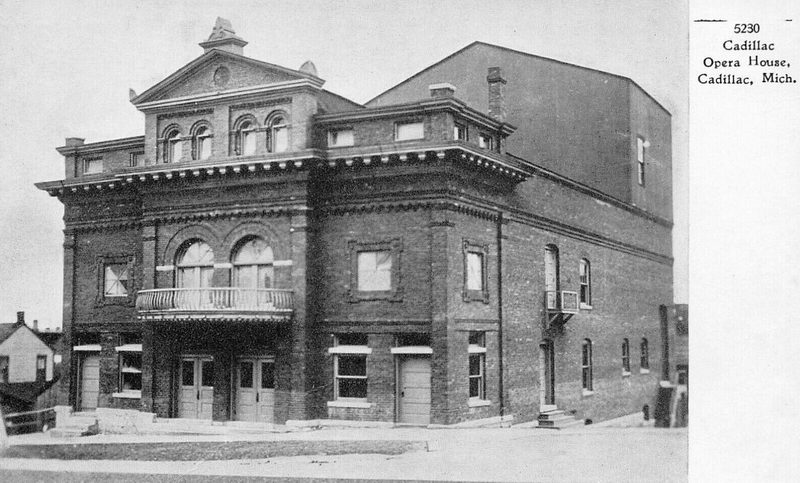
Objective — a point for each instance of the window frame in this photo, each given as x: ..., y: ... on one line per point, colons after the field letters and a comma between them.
x: 334, y: 133
x: 43, y: 370
x: 172, y: 140
x: 626, y: 357
x: 644, y: 356
x: 486, y: 141
x: 273, y: 126
x: 409, y: 122
x: 641, y: 156
x: 360, y: 351
x: 472, y: 295
x: 459, y: 127
x: 115, y: 259
x: 134, y: 158
x: 86, y: 162
x: 587, y: 376
x: 201, y: 137
x: 477, y: 349
x: 238, y: 267
x: 395, y: 292
x: 129, y: 357
x: 585, y: 281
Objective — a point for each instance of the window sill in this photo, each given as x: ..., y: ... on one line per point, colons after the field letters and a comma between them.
x: 644, y: 371
x: 626, y: 374
x: 584, y: 306
x: 128, y: 395
x: 586, y: 393
x: 476, y: 403
x: 341, y: 403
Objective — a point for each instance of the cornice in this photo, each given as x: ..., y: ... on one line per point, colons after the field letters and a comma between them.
x: 103, y: 146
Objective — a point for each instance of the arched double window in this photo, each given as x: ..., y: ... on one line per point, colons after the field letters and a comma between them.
x: 252, y: 265
x: 277, y: 134
x: 195, y: 266
x: 173, y: 146
x: 201, y: 148
x: 245, y: 136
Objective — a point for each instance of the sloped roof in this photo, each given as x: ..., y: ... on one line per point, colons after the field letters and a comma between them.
x: 6, y: 330
x: 514, y: 52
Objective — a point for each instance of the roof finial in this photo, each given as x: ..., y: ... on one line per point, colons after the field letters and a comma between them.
x: 223, y: 37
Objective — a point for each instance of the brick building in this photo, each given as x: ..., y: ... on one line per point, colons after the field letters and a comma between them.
x: 491, y: 237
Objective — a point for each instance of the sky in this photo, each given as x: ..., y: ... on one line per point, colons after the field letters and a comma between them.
x: 68, y: 68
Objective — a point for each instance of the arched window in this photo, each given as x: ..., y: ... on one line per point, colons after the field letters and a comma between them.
x: 252, y: 265
x: 278, y: 135
x: 195, y: 266
x: 645, y: 361
x: 202, y: 143
x: 551, y: 282
x: 585, y: 271
x: 173, y: 146
x: 245, y: 138
x: 586, y: 365
x: 626, y: 357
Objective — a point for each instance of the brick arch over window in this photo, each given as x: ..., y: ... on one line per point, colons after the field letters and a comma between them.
x: 248, y: 230
x: 186, y: 235
x: 170, y: 129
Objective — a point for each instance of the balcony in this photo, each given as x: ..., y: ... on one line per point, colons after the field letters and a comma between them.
x: 561, y: 306
x: 215, y: 303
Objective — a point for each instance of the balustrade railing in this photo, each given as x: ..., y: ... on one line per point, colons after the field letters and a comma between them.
x: 215, y: 299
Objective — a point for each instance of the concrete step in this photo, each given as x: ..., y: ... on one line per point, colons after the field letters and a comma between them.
x: 550, y: 415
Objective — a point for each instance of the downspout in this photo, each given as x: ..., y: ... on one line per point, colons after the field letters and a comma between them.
x: 500, y: 312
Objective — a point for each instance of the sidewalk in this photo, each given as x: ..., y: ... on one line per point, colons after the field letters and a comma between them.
x: 486, y: 454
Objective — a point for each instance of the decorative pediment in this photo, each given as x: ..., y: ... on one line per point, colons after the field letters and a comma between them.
x: 219, y: 71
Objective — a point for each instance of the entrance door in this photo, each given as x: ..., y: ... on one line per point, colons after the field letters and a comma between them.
x: 90, y: 382
x: 414, y: 395
x: 547, y: 393
x: 196, y: 395
x: 255, y: 389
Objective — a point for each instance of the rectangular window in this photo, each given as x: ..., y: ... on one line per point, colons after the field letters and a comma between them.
x: 585, y: 277
x: 460, y: 132
x: 475, y: 272
x: 486, y: 141
x: 645, y: 356
x: 130, y: 364
x: 641, y: 144
x: 586, y: 366
x: 135, y: 159
x: 116, y: 280
x: 4, y: 369
x: 409, y: 130
x: 374, y: 271
x: 92, y: 165
x: 477, y: 365
x: 41, y: 368
x: 340, y: 138
x: 626, y: 357
x: 350, y: 366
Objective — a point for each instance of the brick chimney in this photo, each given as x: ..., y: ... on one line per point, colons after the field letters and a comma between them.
x: 71, y: 142
x: 443, y: 89
x: 35, y: 325
x: 497, y: 94
x: 20, y: 317
x: 224, y: 38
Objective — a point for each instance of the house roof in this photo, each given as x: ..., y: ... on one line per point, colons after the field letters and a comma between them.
x: 6, y: 330
x: 518, y: 53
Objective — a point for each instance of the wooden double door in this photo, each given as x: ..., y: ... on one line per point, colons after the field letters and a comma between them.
x: 255, y: 389
x: 196, y: 393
